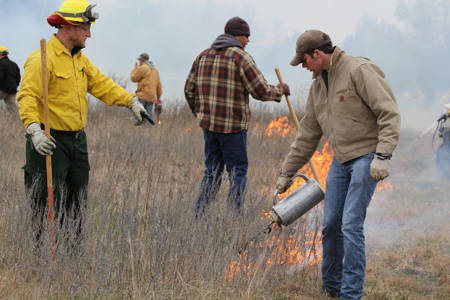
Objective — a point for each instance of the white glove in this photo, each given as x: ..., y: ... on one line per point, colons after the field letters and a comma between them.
x: 283, y: 183
x: 379, y: 169
x: 41, y: 142
x: 136, y: 107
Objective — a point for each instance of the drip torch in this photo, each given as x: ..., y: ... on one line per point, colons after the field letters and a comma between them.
x: 293, y: 206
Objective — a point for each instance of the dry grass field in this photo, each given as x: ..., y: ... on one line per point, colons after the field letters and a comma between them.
x: 141, y: 240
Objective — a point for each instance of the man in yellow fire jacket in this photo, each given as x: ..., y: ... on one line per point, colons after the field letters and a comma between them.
x: 71, y: 75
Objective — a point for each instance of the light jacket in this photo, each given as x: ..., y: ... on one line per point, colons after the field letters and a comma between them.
x: 70, y: 78
x: 149, y: 84
x: 357, y: 114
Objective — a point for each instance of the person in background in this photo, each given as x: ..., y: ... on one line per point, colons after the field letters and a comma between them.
x: 351, y: 105
x: 71, y: 75
x: 217, y: 91
x: 9, y: 80
x: 149, y: 87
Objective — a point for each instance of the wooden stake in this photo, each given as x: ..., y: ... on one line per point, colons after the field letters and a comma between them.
x: 294, y: 118
x: 48, y: 158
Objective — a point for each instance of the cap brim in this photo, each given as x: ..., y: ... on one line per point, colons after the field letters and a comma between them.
x: 296, y: 61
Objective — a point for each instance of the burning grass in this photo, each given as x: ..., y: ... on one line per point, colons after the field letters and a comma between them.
x: 143, y: 242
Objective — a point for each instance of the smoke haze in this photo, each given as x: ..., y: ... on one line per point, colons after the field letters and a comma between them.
x: 408, y: 39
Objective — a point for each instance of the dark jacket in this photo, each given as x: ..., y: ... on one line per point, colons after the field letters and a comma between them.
x: 219, y: 83
x: 9, y: 76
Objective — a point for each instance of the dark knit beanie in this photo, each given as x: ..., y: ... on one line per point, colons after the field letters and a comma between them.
x: 237, y: 26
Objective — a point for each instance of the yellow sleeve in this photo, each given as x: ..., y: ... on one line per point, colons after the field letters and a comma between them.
x: 29, y: 97
x: 104, y: 88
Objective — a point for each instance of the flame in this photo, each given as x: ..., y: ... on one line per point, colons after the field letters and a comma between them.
x: 383, y: 186
x: 287, y: 249
x: 290, y: 249
x: 283, y: 250
x: 159, y: 122
x: 280, y: 127
x: 322, y: 161
x: 188, y: 129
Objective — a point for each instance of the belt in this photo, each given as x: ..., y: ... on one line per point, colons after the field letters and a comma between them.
x: 75, y: 134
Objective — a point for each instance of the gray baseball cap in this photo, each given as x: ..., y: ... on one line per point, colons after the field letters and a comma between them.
x: 308, y: 41
x: 144, y: 57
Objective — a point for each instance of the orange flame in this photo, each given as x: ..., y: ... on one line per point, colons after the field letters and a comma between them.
x: 384, y: 186
x: 287, y: 249
x: 280, y: 127
x: 283, y: 250
x: 322, y: 160
x: 293, y: 249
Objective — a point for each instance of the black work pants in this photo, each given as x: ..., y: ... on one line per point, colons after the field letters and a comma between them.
x: 70, y: 170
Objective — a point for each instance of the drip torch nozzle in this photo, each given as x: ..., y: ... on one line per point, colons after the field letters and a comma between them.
x: 275, y: 218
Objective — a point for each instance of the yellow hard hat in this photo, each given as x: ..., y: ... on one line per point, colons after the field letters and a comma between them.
x: 77, y: 11
x: 3, y: 50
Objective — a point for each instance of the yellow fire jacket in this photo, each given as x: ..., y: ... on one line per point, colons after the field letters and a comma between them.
x: 70, y: 78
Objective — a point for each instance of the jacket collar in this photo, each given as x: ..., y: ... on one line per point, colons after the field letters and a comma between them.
x: 58, y: 46
x: 335, y: 57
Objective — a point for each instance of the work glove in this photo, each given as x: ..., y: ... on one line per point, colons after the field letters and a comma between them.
x: 137, y: 108
x: 283, y: 183
x: 41, y: 143
x: 284, y: 89
x: 379, y: 168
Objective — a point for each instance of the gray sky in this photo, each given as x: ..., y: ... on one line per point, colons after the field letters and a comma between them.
x: 408, y: 39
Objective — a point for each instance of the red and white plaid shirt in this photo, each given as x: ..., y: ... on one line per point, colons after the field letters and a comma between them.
x: 218, y: 87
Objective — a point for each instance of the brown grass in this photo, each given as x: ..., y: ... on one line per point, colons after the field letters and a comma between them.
x: 143, y: 242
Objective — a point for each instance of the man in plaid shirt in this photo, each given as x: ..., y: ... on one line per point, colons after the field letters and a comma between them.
x: 217, y: 91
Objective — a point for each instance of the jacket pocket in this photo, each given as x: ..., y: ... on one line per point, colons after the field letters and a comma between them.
x: 63, y: 83
x: 347, y: 102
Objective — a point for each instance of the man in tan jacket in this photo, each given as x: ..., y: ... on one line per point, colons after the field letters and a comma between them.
x: 352, y: 106
x: 149, y: 88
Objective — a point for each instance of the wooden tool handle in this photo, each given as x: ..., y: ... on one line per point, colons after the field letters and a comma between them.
x: 297, y: 125
x: 48, y: 158
x: 291, y: 109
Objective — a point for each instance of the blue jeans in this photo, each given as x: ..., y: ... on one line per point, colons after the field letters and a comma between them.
x: 349, y: 190
x: 147, y: 105
x: 224, y: 149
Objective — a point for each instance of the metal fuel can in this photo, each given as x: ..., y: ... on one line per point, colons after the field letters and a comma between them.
x: 297, y: 203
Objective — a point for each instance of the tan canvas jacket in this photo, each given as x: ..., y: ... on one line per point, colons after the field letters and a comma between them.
x: 149, y: 84
x: 357, y: 115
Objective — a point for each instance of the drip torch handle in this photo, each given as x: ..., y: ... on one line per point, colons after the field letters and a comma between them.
x: 275, y: 195
x: 274, y: 198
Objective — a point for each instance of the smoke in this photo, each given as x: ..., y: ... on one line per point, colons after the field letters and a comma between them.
x: 173, y: 32
x: 417, y: 207
x: 414, y: 58
x: 408, y: 40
